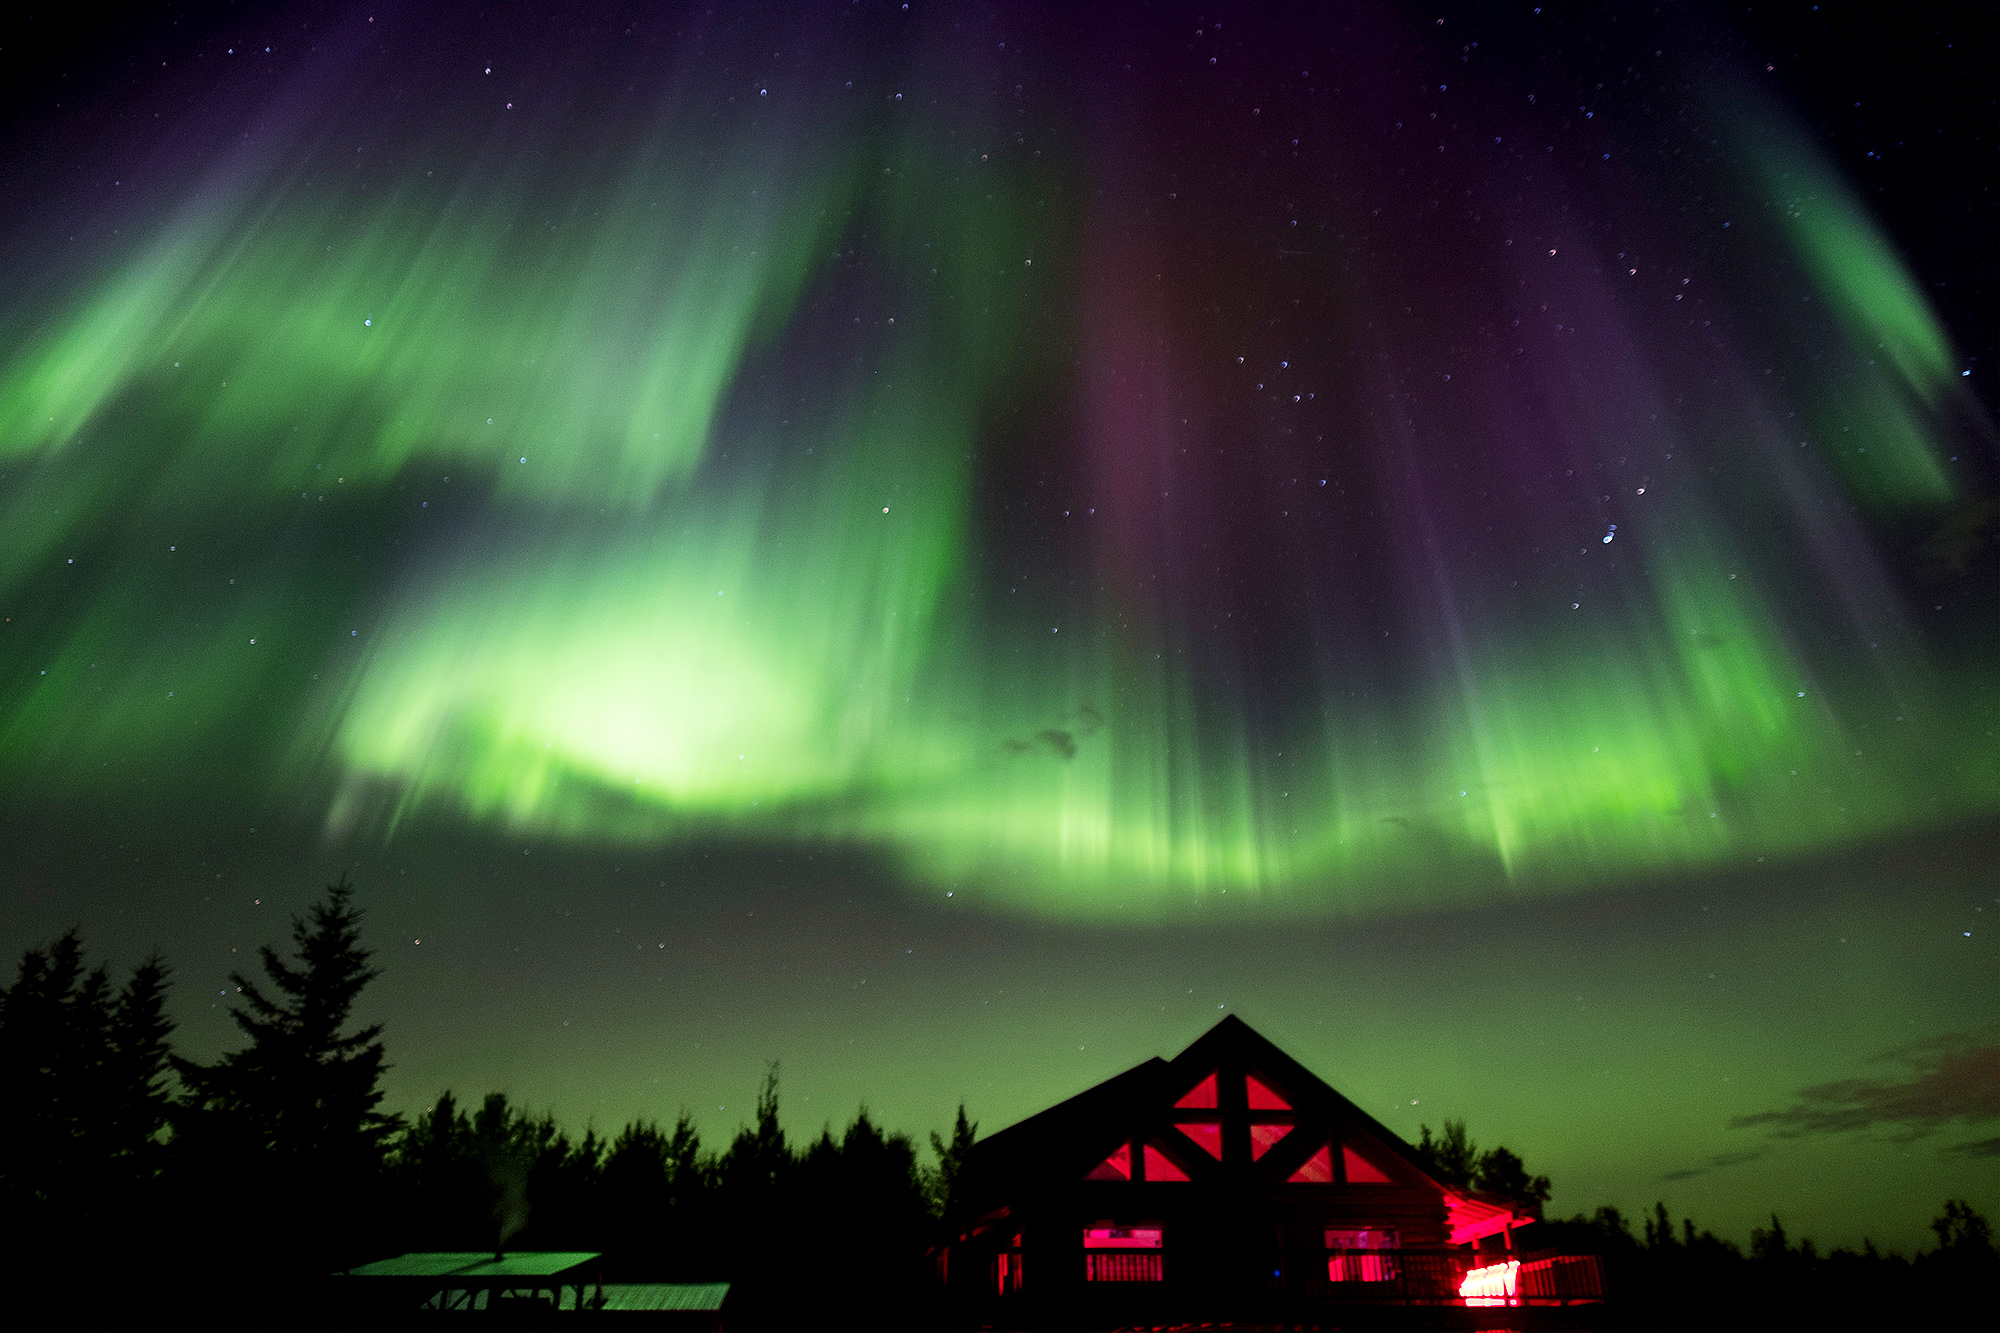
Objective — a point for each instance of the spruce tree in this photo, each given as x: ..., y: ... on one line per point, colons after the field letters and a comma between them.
x: 79, y: 1132
x: 288, y: 1125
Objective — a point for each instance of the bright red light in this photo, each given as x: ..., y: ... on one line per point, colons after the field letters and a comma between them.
x: 1161, y: 1167
x: 1492, y: 1284
x: 1105, y: 1236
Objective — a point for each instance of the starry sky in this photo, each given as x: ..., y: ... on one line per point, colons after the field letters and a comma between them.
x: 950, y: 546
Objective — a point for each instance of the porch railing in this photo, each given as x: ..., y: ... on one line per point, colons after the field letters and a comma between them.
x: 1440, y: 1276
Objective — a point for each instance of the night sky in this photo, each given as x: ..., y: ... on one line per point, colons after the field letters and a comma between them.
x: 950, y: 546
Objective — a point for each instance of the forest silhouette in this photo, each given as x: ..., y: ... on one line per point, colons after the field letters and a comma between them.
x: 129, y: 1173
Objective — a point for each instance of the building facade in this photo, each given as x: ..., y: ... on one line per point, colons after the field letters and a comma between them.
x: 1230, y: 1185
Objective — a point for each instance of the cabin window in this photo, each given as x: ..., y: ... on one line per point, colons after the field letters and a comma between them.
x: 1362, y: 1255
x: 1207, y: 1136
x: 1361, y: 1171
x: 1113, y: 1253
x: 1007, y: 1269
x: 1261, y: 1098
x: 1159, y: 1166
x: 1270, y: 1116
x: 1201, y: 1097
x: 1318, y: 1169
x: 1118, y: 1166
x: 1263, y: 1138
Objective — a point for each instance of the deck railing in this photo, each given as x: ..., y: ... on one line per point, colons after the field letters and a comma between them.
x: 1440, y: 1276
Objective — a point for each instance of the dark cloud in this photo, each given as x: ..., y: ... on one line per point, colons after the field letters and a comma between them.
x: 1714, y: 1163
x: 1977, y: 1148
x: 1955, y: 1077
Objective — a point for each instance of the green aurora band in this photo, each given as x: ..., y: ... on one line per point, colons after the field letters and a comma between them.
x: 656, y: 601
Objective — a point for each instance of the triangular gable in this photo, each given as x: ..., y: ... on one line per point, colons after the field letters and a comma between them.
x: 1199, y: 1098
x: 1159, y: 1166
x: 1361, y: 1171
x: 999, y: 1166
x: 1262, y: 1098
x: 1234, y: 1044
x: 1118, y: 1166
x: 1318, y: 1169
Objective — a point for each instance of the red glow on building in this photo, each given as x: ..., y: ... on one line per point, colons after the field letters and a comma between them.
x: 1492, y: 1284
x: 1108, y: 1237
x: 1361, y: 1171
x: 1161, y: 1167
x: 1318, y: 1169
x: 1122, y: 1254
x: 1118, y: 1166
x: 1123, y: 1266
x: 1263, y: 1138
x: 1207, y: 1136
x: 1201, y: 1097
x: 1248, y: 1246
x: 1471, y: 1219
x: 1262, y: 1098
x: 1362, y: 1255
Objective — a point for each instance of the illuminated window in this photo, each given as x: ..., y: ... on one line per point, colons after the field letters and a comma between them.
x: 1207, y: 1136
x: 1361, y: 1171
x: 1118, y: 1166
x: 1318, y: 1169
x: 1262, y: 1098
x: 1007, y: 1269
x: 1122, y: 1254
x: 1270, y: 1116
x: 1263, y: 1138
x: 1361, y: 1255
x: 1201, y: 1097
x: 1161, y: 1167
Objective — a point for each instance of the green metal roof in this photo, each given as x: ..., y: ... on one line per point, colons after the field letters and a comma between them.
x: 477, y: 1266
x: 664, y: 1295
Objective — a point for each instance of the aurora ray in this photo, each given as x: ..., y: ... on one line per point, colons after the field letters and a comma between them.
x: 844, y: 468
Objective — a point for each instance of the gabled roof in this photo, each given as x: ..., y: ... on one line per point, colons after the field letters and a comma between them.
x: 1063, y: 1143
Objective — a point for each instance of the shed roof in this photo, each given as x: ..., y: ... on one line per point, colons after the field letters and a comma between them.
x: 478, y: 1266
x: 664, y: 1295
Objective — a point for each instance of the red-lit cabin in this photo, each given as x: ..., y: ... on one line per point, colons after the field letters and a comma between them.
x: 1228, y: 1185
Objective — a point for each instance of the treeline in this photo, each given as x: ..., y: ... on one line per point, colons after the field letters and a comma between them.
x: 127, y: 1170
x: 848, y: 1212
x: 124, y: 1165
x: 1666, y: 1277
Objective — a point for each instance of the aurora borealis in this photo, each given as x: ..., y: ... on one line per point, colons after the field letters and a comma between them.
x: 1253, y: 493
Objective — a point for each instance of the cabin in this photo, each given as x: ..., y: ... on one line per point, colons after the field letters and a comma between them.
x: 1232, y: 1186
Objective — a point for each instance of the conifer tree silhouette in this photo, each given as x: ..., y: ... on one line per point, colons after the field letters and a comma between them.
x: 290, y: 1122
